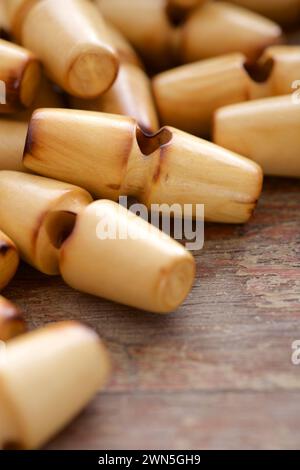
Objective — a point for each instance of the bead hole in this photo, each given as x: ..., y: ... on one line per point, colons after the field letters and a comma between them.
x: 59, y: 226
x: 260, y: 72
x: 149, y: 143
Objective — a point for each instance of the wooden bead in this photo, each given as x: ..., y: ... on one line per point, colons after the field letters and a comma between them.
x: 130, y: 95
x: 73, y: 43
x: 146, y: 25
x: 187, y: 96
x: 38, y: 214
x: 220, y: 28
x: 267, y: 131
x: 12, y: 142
x: 283, y: 11
x: 76, y: 146
x: 150, y: 272
x: 21, y: 73
x: 9, y: 259
x: 48, y: 376
x: 12, y: 322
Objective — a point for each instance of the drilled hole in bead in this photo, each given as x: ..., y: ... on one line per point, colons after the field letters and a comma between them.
x: 150, y: 143
x: 260, y: 71
x: 60, y: 225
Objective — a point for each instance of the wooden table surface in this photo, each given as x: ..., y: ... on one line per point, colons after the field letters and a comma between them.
x: 218, y: 372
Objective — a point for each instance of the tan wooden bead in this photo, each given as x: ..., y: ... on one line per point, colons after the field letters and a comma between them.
x: 220, y: 28
x: 133, y: 263
x: 12, y: 142
x: 12, y: 322
x: 72, y: 41
x: 20, y: 72
x: 168, y: 167
x: 46, y: 378
x: 266, y: 131
x: 38, y: 214
x: 9, y: 259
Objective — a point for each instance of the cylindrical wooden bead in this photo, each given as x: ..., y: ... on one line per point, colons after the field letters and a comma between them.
x: 283, y: 11
x: 220, y: 28
x: 267, y: 131
x: 16, y: 11
x: 130, y: 95
x: 38, y: 214
x: 146, y: 25
x: 72, y: 41
x: 112, y: 253
x: 187, y: 96
x: 48, y: 376
x: 168, y: 167
x: 12, y: 142
x: 9, y: 259
x: 20, y: 75
x: 12, y: 322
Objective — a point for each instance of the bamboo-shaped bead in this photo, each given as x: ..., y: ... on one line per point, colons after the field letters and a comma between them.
x: 130, y: 95
x: 168, y: 167
x: 187, y: 96
x: 20, y: 75
x: 147, y: 26
x: 9, y: 259
x: 220, y: 28
x: 267, y: 131
x: 38, y: 214
x: 46, y: 378
x: 283, y: 11
x: 72, y: 41
x: 12, y: 322
x: 12, y: 142
x: 114, y: 254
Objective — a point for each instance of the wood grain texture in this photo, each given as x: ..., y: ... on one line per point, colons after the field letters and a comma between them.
x: 218, y: 372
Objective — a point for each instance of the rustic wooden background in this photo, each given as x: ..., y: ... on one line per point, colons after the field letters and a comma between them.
x: 218, y: 372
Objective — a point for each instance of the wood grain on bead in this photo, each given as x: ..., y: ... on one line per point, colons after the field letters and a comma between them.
x: 20, y: 72
x: 9, y: 259
x: 266, y: 131
x: 220, y: 28
x: 38, y: 215
x: 75, y: 49
x: 12, y: 322
x: 65, y: 364
x: 95, y: 263
x: 154, y: 169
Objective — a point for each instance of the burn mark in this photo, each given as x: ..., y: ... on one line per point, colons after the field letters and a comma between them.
x: 114, y: 187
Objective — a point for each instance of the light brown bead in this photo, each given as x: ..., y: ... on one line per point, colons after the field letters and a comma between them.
x: 283, y: 11
x: 168, y: 167
x: 38, y: 214
x: 12, y: 322
x: 9, y: 259
x: 220, y: 28
x: 114, y: 254
x: 46, y: 378
x: 72, y: 41
x: 20, y: 75
x: 266, y: 131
